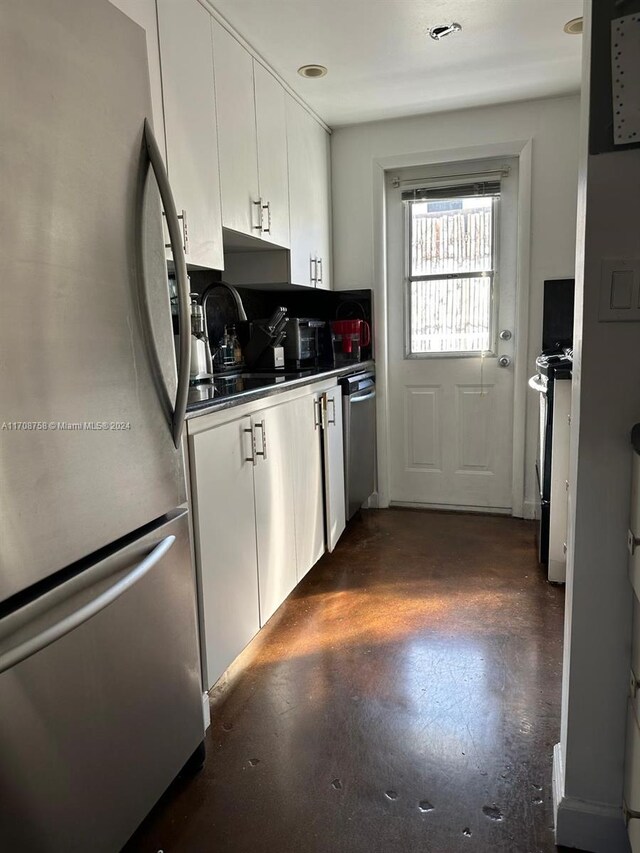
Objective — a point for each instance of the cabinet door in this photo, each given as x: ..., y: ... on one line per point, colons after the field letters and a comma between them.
x: 308, y: 153
x: 333, y: 467
x: 225, y: 533
x: 322, y: 175
x: 275, y: 525
x: 303, y: 194
x: 237, y: 134
x: 273, y: 171
x: 143, y: 12
x: 190, y: 125
x: 307, y: 482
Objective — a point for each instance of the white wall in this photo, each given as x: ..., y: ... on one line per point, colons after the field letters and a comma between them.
x: 589, y: 765
x: 551, y: 124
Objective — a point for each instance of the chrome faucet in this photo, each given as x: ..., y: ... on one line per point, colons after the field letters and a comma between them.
x: 242, y: 314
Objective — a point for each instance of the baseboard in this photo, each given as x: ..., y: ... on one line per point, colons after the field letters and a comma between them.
x: 373, y: 502
x: 589, y: 826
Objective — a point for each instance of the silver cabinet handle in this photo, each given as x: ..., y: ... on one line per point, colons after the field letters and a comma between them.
x: 182, y: 282
x: 313, y: 265
x: 263, y: 433
x: 260, y: 206
x: 267, y: 207
x: 317, y: 414
x: 319, y: 268
x: 251, y: 458
x: 45, y: 638
x: 185, y: 233
x: 331, y: 400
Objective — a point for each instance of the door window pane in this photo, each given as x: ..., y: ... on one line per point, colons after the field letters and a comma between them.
x: 451, y: 236
x: 450, y: 315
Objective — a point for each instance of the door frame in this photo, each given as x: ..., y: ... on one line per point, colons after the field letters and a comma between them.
x: 522, y: 149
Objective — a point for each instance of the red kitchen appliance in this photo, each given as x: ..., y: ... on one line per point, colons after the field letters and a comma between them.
x: 349, y: 339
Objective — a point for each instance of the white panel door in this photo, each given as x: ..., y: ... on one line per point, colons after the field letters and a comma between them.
x: 274, y: 507
x: 237, y: 134
x: 143, y: 12
x: 225, y: 534
x: 451, y: 414
x: 335, y: 515
x: 190, y: 123
x: 273, y: 172
x: 307, y: 481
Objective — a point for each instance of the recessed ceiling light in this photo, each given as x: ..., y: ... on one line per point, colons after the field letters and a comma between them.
x: 443, y: 30
x: 574, y: 27
x: 312, y: 71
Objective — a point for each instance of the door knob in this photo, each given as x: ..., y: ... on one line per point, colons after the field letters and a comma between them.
x: 505, y: 335
x: 504, y: 361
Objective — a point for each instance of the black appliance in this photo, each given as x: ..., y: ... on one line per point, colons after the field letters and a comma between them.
x: 554, y: 364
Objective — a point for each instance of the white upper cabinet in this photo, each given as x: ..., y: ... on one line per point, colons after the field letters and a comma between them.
x: 143, y: 12
x: 190, y: 126
x: 309, y: 198
x: 273, y: 173
x: 238, y: 146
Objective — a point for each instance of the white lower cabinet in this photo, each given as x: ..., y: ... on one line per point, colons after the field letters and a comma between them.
x: 225, y: 533
x: 335, y: 514
x: 267, y: 488
x: 274, y: 507
x: 307, y: 481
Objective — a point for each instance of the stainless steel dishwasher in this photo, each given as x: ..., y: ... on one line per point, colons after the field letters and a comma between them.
x: 359, y: 423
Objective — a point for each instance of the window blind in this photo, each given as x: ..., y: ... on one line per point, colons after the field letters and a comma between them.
x: 469, y: 190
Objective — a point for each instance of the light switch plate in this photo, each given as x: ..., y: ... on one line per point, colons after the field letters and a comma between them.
x: 620, y: 290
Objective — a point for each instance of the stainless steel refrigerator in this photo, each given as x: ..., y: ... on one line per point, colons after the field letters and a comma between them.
x: 100, y: 691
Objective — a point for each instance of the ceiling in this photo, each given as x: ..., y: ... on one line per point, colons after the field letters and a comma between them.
x: 382, y: 64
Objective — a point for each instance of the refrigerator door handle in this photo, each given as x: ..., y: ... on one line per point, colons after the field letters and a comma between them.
x: 182, y: 282
x: 45, y: 638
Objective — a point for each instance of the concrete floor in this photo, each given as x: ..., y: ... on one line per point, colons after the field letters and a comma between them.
x: 404, y: 698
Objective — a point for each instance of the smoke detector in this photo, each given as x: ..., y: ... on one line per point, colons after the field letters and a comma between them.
x: 443, y: 30
x: 312, y: 71
x: 573, y: 27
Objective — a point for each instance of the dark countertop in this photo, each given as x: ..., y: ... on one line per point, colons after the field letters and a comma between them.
x: 233, y: 390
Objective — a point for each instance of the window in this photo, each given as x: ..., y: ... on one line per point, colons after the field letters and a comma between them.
x: 451, y: 269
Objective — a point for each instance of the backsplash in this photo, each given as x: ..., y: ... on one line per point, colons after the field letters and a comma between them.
x: 259, y: 304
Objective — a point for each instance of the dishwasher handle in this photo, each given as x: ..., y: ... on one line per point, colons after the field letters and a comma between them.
x: 55, y: 632
x: 360, y: 398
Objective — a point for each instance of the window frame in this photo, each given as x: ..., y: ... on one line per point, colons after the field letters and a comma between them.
x: 493, y: 274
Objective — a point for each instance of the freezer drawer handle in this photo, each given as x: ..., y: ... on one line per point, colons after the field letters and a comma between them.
x: 73, y: 620
x: 182, y: 281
